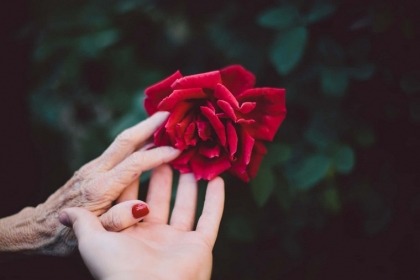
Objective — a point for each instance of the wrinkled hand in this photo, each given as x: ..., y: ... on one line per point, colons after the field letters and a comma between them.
x: 114, y: 176
x: 154, y: 249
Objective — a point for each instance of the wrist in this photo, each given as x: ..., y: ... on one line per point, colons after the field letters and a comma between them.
x: 16, y: 231
x: 34, y: 231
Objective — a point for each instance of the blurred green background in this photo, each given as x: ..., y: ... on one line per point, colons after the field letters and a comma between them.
x: 336, y: 196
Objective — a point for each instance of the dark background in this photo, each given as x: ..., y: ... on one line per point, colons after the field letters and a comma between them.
x: 338, y: 196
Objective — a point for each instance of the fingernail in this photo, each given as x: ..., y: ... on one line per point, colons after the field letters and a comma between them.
x: 140, y: 210
x: 64, y: 219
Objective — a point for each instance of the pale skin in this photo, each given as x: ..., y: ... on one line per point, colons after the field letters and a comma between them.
x: 154, y: 249
x: 112, y: 177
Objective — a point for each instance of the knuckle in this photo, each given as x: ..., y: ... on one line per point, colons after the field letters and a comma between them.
x: 113, y: 222
x: 92, y: 191
x: 125, y: 138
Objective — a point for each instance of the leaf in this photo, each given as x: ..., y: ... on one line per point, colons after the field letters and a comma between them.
x: 278, y: 153
x: 288, y: 49
x: 92, y: 43
x: 362, y: 72
x: 262, y: 185
x: 311, y: 171
x: 321, y: 130
x: 279, y: 18
x: 319, y: 12
x: 343, y: 159
x: 334, y: 81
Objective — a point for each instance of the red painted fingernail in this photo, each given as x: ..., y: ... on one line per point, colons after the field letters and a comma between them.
x: 140, y: 210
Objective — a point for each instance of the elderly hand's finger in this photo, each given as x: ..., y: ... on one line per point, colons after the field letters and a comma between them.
x: 159, y: 194
x: 130, y: 140
x: 209, y: 222
x: 124, y: 215
x: 183, y: 214
x: 81, y: 220
x: 130, y: 169
x: 131, y: 192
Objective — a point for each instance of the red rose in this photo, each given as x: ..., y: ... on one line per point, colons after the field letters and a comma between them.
x: 218, y: 120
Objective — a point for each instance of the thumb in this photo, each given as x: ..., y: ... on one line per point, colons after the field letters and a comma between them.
x: 81, y: 220
x: 124, y: 215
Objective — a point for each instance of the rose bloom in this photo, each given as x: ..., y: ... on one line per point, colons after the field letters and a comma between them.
x: 217, y: 119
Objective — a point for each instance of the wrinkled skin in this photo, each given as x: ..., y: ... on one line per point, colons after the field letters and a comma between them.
x: 114, y: 176
x: 218, y: 120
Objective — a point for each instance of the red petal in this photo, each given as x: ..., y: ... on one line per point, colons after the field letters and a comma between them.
x: 237, y: 79
x: 247, y: 107
x: 180, y: 130
x: 181, y: 163
x: 257, y: 156
x: 189, y: 135
x: 177, y: 115
x: 204, y: 80
x: 204, y: 129
x: 232, y: 138
x: 180, y: 95
x: 222, y: 93
x: 245, y: 147
x: 206, y: 168
x: 159, y: 91
x: 227, y: 108
x: 268, y: 114
x: 161, y: 138
x: 209, y: 151
x: 218, y: 126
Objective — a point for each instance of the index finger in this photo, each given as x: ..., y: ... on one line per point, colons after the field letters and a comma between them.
x: 130, y: 140
x: 209, y: 222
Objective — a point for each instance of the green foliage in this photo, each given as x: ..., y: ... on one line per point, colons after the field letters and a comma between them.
x: 309, y: 171
x: 279, y: 18
x: 92, y: 61
x: 288, y: 49
x: 334, y: 82
x: 320, y: 11
x: 343, y: 159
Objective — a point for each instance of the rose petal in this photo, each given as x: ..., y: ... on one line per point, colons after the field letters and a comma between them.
x: 271, y: 100
x: 180, y: 95
x: 245, y: 147
x: 217, y: 125
x: 227, y: 108
x: 189, y: 135
x: 161, y: 138
x: 204, y: 80
x: 204, y: 129
x: 232, y: 138
x: 222, y: 93
x: 177, y: 115
x: 257, y: 156
x: 268, y: 114
x: 206, y: 168
x: 237, y: 79
x: 247, y: 107
x: 159, y: 91
x: 209, y: 150
x: 244, y: 121
x: 181, y: 163
x: 180, y: 129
